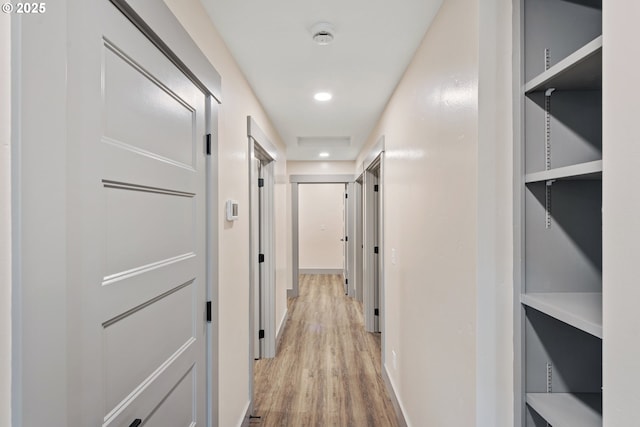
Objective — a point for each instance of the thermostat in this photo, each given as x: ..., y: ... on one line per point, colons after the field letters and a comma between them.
x: 232, y: 210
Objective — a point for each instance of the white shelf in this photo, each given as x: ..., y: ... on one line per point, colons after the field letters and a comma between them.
x: 568, y: 409
x: 588, y: 170
x: 580, y: 70
x: 582, y: 310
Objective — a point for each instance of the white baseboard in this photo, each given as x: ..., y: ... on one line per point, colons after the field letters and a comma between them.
x: 394, y: 397
x: 281, y: 327
x: 321, y: 271
x: 244, y: 422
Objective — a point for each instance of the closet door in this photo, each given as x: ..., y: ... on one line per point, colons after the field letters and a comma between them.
x: 137, y: 187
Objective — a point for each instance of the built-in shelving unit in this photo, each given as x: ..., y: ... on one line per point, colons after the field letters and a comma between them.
x: 588, y: 170
x: 580, y: 70
x: 582, y: 310
x: 560, y: 321
x: 567, y: 409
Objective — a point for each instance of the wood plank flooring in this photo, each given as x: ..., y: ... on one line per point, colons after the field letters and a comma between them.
x: 327, y: 370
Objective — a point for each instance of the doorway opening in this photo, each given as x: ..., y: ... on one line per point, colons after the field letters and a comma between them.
x: 262, y: 156
x: 322, y: 229
x: 370, y: 264
x: 345, y: 210
x: 262, y: 266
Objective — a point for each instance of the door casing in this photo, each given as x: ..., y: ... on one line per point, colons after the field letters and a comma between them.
x: 261, y: 241
x: 295, y: 181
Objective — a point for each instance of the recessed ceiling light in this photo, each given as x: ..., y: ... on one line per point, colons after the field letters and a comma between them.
x: 323, y: 96
x: 324, y: 154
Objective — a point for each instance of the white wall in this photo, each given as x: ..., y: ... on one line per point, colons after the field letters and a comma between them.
x: 431, y: 188
x: 320, y: 167
x: 321, y: 226
x: 282, y: 236
x: 448, y: 214
x: 239, y: 101
x: 5, y: 220
x: 620, y: 219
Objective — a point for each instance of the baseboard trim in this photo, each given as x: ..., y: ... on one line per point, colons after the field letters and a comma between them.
x: 321, y: 271
x: 394, y: 397
x: 247, y: 416
x: 281, y: 327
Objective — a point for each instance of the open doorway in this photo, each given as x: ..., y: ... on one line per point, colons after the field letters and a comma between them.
x: 322, y: 229
x: 261, y: 168
x: 346, y: 249
x: 372, y: 245
x: 262, y: 157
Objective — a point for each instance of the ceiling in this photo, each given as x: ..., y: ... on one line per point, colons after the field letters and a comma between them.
x: 374, y: 41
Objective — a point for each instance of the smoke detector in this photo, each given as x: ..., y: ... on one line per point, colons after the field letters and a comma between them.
x: 322, y: 33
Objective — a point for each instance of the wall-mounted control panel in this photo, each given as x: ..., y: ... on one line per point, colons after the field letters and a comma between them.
x: 232, y: 210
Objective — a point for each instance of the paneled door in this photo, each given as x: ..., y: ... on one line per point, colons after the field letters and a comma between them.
x: 137, y: 187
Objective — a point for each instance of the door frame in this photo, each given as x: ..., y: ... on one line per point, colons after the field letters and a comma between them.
x: 261, y: 233
x: 359, y: 242
x: 42, y: 346
x: 350, y: 272
x: 261, y: 148
x: 295, y: 181
x: 373, y: 165
x: 372, y: 238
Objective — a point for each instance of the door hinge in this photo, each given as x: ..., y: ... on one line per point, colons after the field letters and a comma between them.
x: 346, y: 281
x: 375, y: 249
x: 260, y: 257
x: 346, y: 238
x: 207, y: 146
x: 376, y: 312
x: 209, y: 311
x: 346, y: 196
x: 261, y: 333
x: 260, y: 182
x: 375, y: 188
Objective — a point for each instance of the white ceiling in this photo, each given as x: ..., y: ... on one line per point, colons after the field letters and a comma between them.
x: 272, y: 42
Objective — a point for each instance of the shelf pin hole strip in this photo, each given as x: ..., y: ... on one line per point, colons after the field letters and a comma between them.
x: 547, y: 207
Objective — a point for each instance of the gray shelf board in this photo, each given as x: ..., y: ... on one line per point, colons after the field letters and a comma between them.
x: 568, y: 409
x: 582, y: 70
x: 582, y: 310
x: 588, y: 170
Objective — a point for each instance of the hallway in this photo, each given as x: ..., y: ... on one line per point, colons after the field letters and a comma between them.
x: 327, y: 370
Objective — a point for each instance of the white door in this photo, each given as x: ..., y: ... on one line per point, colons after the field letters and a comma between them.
x: 257, y: 252
x: 376, y: 257
x: 345, y: 241
x: 358, y: 241
x: 371, y: 252
x: 137, y: 185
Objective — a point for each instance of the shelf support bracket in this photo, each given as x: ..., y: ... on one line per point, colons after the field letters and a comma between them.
x: 547, y: 128
x: 547, y: 58
x: 549, y: 378
x: 547, y: 205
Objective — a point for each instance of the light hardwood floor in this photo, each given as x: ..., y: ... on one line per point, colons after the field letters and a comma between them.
x: 327, y: 370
